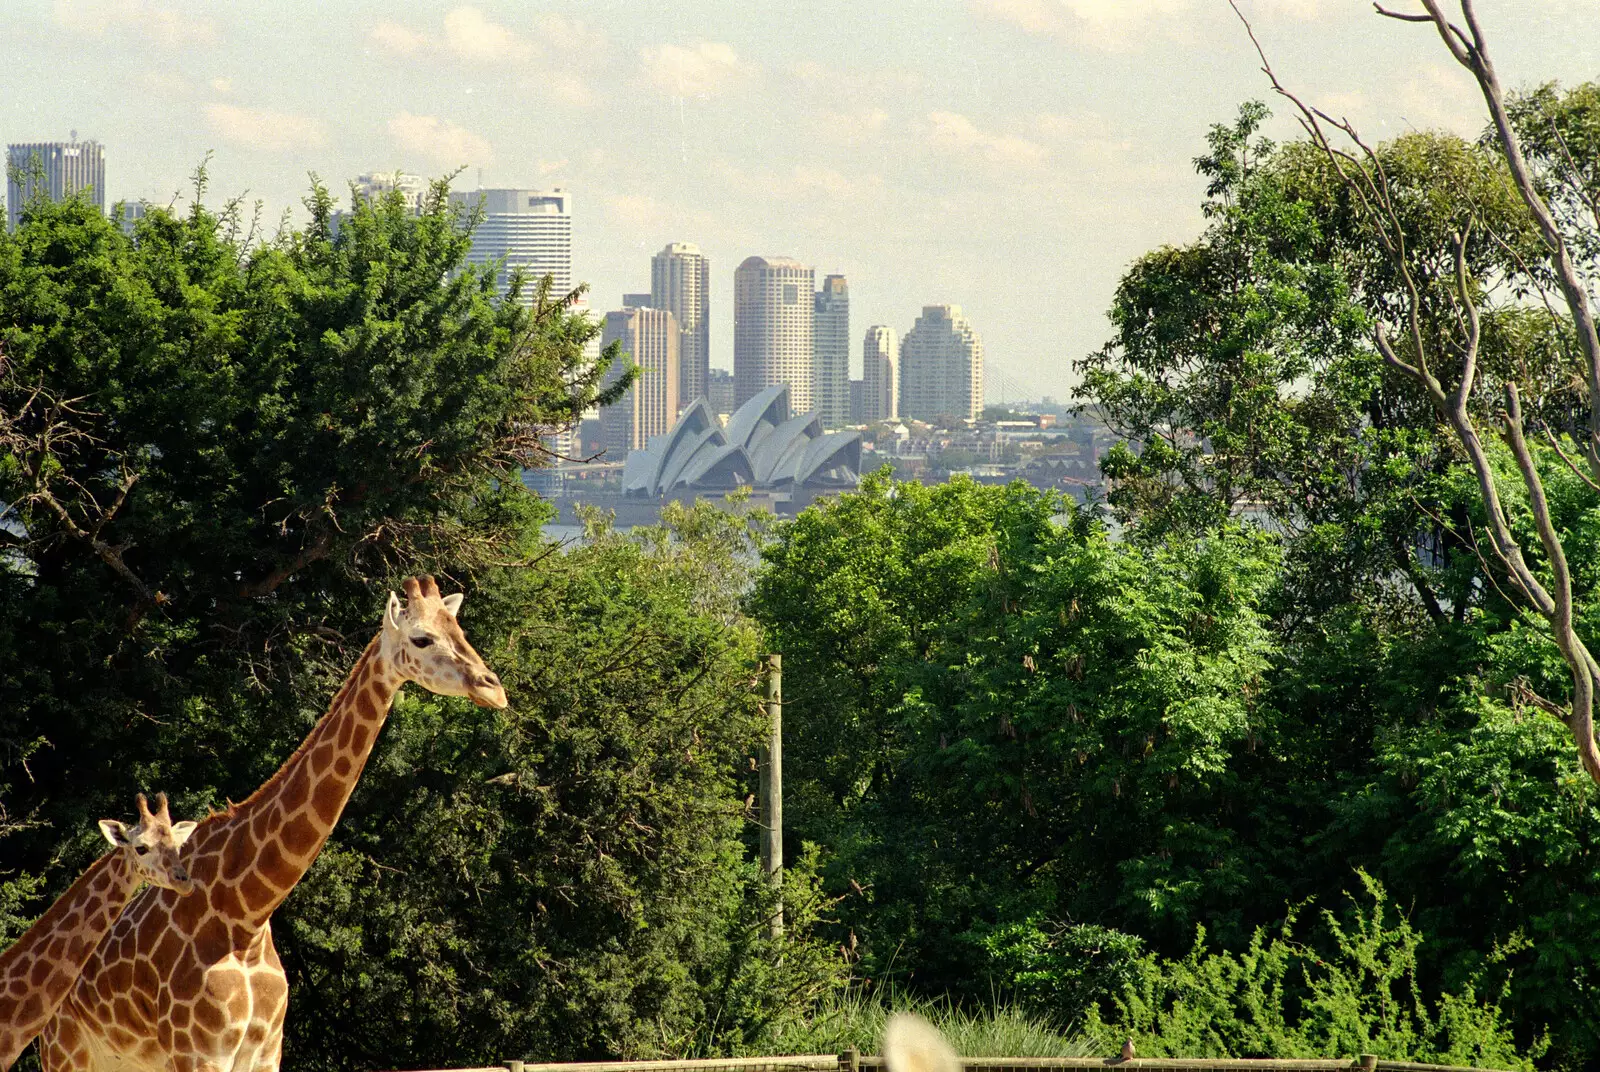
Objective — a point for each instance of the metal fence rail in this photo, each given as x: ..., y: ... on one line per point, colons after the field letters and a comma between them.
x: 850, y: 1061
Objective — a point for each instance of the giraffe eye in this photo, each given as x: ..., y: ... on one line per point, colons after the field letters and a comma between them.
x: 142, y: 850
x: 422, y: 641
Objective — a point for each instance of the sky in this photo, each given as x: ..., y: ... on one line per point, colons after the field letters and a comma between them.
x: 1012, y: 157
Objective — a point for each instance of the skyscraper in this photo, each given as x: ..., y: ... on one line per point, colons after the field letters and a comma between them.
x: 719, y: 391
x: 530, y: 229
x: 56, y: 169
x: 680, y: 280
x: 650, y: 338
x: 941, y: 366
x: 880, y: 359
x: 832, y: 354
x: 774, y: 315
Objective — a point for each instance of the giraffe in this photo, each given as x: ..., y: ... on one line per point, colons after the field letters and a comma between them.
x: 205, y: 991
x: 39, y: 968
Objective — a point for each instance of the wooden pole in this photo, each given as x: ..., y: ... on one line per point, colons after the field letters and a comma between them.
x: 772, y: 786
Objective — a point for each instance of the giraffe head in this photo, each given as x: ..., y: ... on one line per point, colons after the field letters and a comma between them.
x: 153, y: 845
x: 422, y: 639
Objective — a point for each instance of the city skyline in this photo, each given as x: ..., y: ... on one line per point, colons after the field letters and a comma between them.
x: 999, y: 154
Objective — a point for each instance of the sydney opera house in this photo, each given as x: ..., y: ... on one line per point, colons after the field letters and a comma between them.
x: 762, y: 447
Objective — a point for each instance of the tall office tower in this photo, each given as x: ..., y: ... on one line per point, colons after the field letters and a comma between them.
x: 57, y: 169
x: 530, y: 229
x: 680, y: 280
x: 941, y: 366
x: 638, y: 300
x: 774, y: 313
x: 650, y: 406
x: 832, y: 354
x: 880, y: 360
x: 858, y: 397
x: 719, y: 391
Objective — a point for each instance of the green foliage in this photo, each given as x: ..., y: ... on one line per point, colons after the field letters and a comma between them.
x: 855, y: 1018
x: 216, y: 458
x: 1281, y: 998
x: 992, y: 711
x: 1062, y: 970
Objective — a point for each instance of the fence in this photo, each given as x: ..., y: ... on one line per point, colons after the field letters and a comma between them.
x: 850, y: 1061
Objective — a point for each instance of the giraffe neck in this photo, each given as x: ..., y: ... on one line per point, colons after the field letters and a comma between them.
x: 38, y: 970
x: 249, y: 858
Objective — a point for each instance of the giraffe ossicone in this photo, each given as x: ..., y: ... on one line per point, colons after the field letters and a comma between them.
x: 38, y: 970
x: 193, y: 984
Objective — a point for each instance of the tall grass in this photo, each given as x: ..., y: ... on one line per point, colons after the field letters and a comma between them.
x: 855, y: 1018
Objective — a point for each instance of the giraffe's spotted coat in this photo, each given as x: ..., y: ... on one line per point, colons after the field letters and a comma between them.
x: 194, y: 984
x: 37, y: 971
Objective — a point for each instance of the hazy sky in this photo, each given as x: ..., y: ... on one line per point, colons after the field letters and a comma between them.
x: 1009, y: 156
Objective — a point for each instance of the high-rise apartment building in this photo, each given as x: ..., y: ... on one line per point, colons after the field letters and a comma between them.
x: 680, y: 280
x: 57, y: 169
x: 880, y: 374
x: 374, y: 185
x: 774, y: 319
x: 832, y: 353
x: 413, y: 188
x: 527, y: 229
x: 941, y: 366
x: 650, y: 406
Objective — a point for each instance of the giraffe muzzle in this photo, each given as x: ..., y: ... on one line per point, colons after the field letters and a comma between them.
x: 485, y: 690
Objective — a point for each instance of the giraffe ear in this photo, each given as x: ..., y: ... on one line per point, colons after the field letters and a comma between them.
x: 115, y: 833
x: 453, y: 603
x: 392, y: 615
x: 181, y: 832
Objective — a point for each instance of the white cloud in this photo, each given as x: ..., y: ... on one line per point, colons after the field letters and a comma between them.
x: 851, y: 126
x: 1112, y: 25
x: 697, y: 70
x: 1089, y: 138
x: 164, y: 25
x: 568, y: 35
x: 1304, y: 10
x: 440, y: 140
x: 856, y: 84
x: 829, y: 182
x: 955, y: 133
x: 466, y: 33
x: 567, y: 88
x: 470, y: 35
x: 264, y: 128
x: 1440, y: 96
x: 403, y: 40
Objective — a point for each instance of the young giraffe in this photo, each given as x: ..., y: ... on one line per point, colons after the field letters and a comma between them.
x: 195, y: 985
x: 40, y: 967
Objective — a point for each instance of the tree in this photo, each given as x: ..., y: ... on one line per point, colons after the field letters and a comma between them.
x: 994, y: 713
x: 216, y: 456
x: 1459, y: 385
